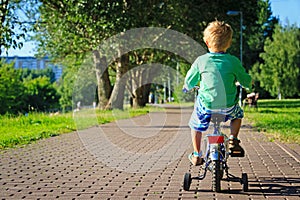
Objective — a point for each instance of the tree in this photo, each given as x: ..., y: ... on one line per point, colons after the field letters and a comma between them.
x: 78, y: 27
x: 19, y: 94
x: 40, y: 94
x: 67, y: 81
x: 11, y: 89
x: 279, y: 72
x: 13, y: 28
x: 82, y: 25
x: 262, y: 29
x: 35, y: 73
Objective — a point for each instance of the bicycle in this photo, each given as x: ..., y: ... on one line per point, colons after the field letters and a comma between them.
x: 215, y: 159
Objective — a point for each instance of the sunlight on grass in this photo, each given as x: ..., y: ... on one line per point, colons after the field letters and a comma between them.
x: 280, y: 120
x: 23, y: 129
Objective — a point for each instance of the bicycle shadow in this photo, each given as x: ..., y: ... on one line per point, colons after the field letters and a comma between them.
x: 267, y: 186
x: 276, y: 186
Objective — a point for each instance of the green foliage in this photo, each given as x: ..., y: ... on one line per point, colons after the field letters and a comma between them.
x: 20, y: 94
x: 73, y: 28
x: 85, y: 24
x: 181, y: 97
x: 65, y: 89
x: 85, y: 87
x: 35, y: 73
x: 41, y: 94
x: 279, y: 73
x: 278, y: 118
x: 14, y: 26
x: 263, y: 29
x: 82, y: 25
x: 67, y: 82
x: 11, y: 89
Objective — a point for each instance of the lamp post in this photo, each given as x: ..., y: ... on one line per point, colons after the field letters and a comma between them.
x: 235, y: 13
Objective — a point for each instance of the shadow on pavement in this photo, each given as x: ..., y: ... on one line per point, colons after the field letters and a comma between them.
x: 276, y: 186
x: 269, y: 186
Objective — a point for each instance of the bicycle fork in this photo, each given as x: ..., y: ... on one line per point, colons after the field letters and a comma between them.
x: 215, y: 151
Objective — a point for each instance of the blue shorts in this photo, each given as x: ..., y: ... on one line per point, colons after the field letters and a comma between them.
x: 201, y: 115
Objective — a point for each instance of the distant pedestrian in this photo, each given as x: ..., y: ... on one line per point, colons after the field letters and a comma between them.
x: 78, y: 105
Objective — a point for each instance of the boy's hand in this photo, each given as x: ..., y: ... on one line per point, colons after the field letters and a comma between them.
x: 184, y: 90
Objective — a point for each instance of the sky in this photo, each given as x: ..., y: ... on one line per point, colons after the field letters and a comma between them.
x: 284, y: 9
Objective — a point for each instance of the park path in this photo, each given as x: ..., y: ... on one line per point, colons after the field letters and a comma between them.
x: 142, y: 158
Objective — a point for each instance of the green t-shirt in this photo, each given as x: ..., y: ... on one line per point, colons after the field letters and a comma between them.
x: 217, y: 73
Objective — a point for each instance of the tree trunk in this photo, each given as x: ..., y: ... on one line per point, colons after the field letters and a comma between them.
x: 141, y: 80
x: 104, y: 86
x: 116, y: 99
x: 141, y: 96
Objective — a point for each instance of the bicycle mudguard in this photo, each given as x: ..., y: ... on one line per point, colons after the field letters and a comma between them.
x: 218, y: 139
x: 214, y: 153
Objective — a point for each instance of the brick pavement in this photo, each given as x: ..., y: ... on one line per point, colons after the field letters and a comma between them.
x: 142, y: 158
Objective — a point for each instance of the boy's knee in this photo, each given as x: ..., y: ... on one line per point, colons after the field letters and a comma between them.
x: 236, y: 120
x: 193, y: 131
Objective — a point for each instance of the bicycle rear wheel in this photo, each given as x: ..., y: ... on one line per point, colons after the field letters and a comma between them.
x: 216, y: 176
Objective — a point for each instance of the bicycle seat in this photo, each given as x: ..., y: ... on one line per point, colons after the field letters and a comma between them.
x: 217, y: 118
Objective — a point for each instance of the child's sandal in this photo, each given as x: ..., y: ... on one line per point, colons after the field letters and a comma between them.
x: 235, y: 149
x: 196, y: 160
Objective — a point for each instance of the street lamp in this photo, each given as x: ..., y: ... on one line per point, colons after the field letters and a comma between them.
x: 235, y: 13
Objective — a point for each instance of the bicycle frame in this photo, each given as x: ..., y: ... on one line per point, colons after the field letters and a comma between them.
x: 215, y: 145
x: 216, y: 154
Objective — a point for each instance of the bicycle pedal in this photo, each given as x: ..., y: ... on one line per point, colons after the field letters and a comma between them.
x: 237, y: 154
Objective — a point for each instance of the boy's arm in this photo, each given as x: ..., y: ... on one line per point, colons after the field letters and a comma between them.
x: 243, y: 77
x: 192, y: 77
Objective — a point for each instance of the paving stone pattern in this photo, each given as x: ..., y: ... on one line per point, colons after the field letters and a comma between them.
x: 66, y: 166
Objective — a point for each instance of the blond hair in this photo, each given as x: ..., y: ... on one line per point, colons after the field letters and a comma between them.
x: 218, y: 35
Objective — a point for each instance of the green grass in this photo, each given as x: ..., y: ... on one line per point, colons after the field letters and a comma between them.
x: 279, y: 119
x: 25, y: 129
x: 20, y: 130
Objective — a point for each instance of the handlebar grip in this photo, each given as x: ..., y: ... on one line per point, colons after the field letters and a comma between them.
x: 184, y: 90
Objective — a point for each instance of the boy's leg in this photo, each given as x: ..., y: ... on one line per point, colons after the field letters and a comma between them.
x: 195, y: 157
x: 235, y: 126
x: 235, y: 149
x: 196, y: 139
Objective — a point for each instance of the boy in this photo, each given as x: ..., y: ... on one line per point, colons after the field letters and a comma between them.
x: 218, y: 73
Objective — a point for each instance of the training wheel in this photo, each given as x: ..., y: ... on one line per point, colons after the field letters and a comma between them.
x: 187, y: 181
x: 245, y: 182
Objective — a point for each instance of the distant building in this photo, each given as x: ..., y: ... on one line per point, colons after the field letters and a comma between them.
x: 34, y: 63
